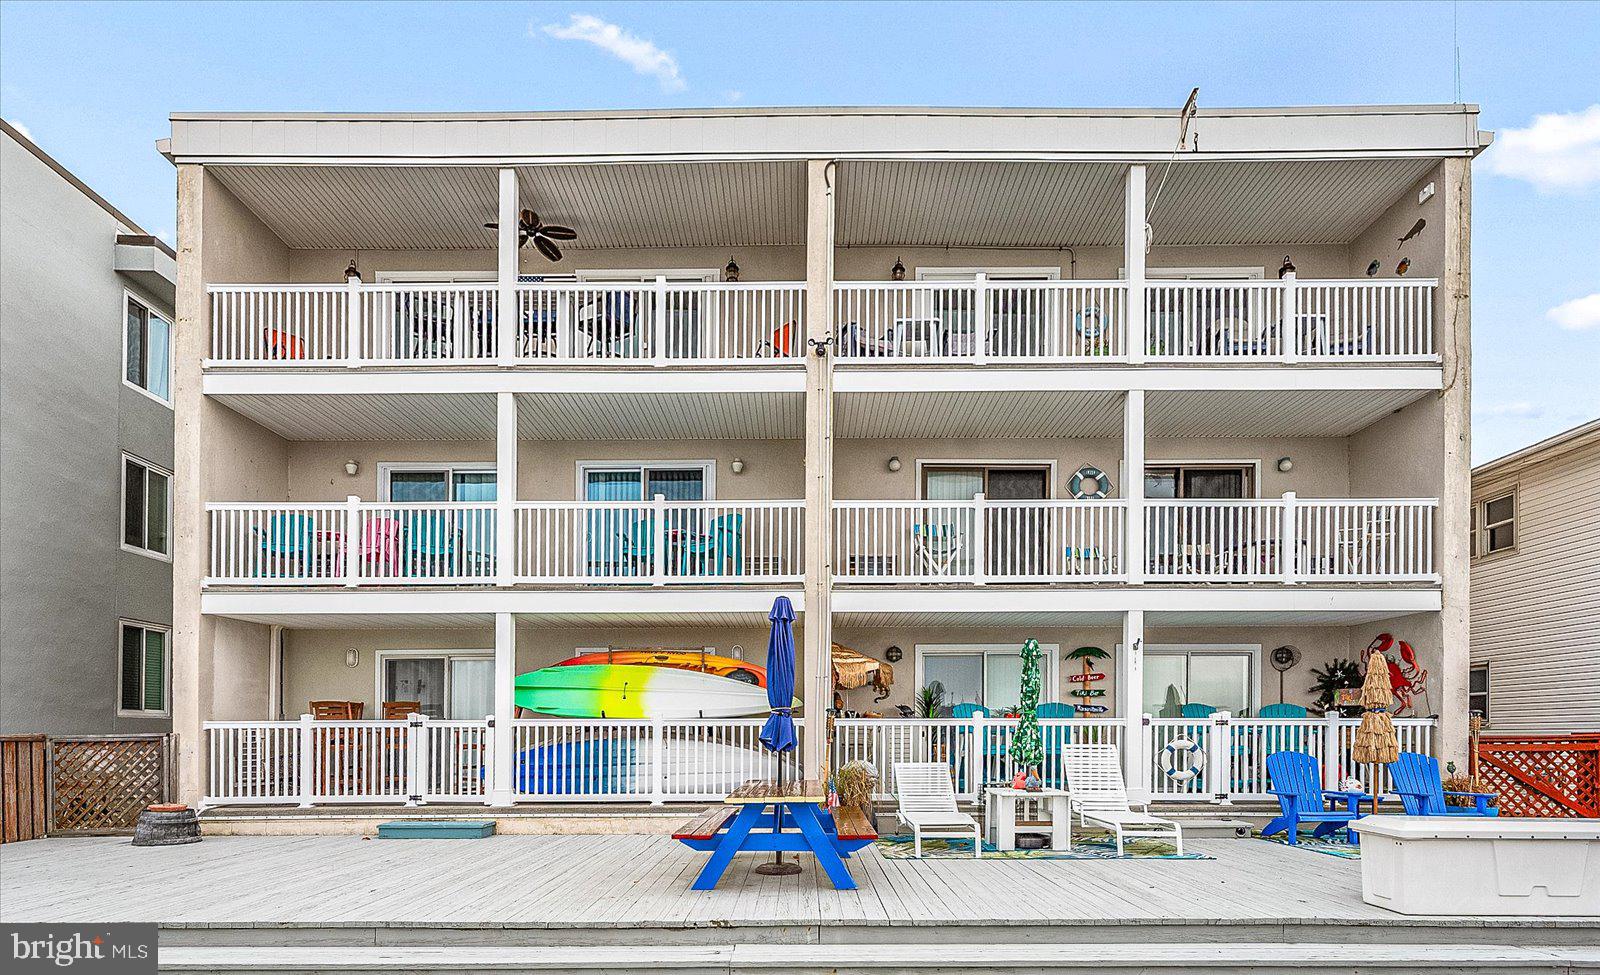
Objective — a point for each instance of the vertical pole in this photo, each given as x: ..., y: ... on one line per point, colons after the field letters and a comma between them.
x: 507, y: 319
x: 1136, y: 758
x: 980, y: 318
x: 505, y: 489
x: 980, y: 517
x: 416, y: 733
x: 975, y: 756
x: 1330, y: 749
x: 658, y: 335
x: 1289, y: 541
x: 502, y: 747
x: 352, y: 321
x: 1291, y: 318
x: 352, y: 541
x: 1219, y: 750
x: 658, y: 540
x: 308, y: 764
x: 658, y: 760
x: 1133, y: 243
x: 817, y: 348
x: 1134, y: 552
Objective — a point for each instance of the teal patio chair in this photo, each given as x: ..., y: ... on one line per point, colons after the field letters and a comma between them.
x: 1197, y: 711
x: 1421, y: 789
x: 287, y: 544
x: 717, y: 551
x: 430, y: 543
x: 1297, y: 783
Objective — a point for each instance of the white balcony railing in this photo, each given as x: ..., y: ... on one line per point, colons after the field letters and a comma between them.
x: 981, y: 320
x: 977, y: 541
x: 359, y: 324
x: 653, y: 542
x: 309, y: 762
x: 660, y: 541
x: 1291, y: 539
x: 1389, y: 320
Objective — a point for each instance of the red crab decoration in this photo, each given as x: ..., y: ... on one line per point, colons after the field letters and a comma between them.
x: 1409, y: 678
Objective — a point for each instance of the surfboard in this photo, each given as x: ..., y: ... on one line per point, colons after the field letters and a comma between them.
x: 636, y: 691
x: 709, y: 663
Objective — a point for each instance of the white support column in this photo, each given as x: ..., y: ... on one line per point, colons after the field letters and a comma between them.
x: 816, y: 684
x: 506, y: 318
x: 1130, y: 705
x: 1289, y: 546
x: 1291, y: 318
x: 502, y: 741
x: 1133, y: 553
x: 1133, y: 244
x: 505, y: 489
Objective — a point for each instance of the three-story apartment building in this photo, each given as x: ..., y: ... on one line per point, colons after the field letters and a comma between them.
x: 946, y: 378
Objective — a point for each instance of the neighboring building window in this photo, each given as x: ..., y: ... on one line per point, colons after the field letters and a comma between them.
x: 989, y: 676
x: 1498, y: 529
x: 147, y: 351
x: 146, y: 651
x: 1478, y: 692
x: 146, y: 507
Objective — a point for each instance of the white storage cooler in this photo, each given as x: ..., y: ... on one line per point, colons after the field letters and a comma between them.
x: 1481, y: 865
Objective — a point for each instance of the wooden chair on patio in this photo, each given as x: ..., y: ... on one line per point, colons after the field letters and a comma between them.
x: 337, y: 710
x: 400, y: 710
x: 337, y: 744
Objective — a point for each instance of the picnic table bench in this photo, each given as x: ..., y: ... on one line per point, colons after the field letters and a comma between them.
x: 763, y: 817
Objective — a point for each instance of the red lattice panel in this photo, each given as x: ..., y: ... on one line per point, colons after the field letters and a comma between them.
x: 102, y: 784
x: 1556, y: 775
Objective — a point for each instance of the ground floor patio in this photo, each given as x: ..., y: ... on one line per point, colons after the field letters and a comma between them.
x: 634, y: 890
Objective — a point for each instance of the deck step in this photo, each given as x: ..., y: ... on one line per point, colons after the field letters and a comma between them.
x: 896, y: 959
x: 436, y: 829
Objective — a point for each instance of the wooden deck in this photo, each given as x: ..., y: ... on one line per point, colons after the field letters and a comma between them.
x: 598, y: 890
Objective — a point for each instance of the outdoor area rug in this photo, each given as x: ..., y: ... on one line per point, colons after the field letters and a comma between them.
x: 1333, y: 848
x: 1090, y: 848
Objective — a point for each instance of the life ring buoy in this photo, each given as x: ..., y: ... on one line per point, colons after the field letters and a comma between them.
x: 1090, y: 323
x: 1090, y: 483
x: 1182, y: 759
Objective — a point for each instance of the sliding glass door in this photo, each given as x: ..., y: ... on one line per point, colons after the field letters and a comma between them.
x: 622, y: 537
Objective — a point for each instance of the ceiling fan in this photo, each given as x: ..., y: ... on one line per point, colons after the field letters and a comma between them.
x: 543, y: 235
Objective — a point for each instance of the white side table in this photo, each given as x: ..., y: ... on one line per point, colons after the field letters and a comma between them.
x: 1000, y: 815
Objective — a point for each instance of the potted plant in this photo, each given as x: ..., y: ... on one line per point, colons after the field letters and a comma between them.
x: 930, y: 700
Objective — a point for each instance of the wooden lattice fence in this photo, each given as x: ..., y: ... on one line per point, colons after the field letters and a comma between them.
x: 24, y: 792
x: 100, y: 784
x: 1548, y: 775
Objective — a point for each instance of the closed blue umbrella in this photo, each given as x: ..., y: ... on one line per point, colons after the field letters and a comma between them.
x: 778, y: 733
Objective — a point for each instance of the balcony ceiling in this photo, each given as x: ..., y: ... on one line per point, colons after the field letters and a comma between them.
x: 1094, y: 414
x: 893, y: 203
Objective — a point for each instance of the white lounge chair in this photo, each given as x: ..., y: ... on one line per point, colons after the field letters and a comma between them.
x: 1098, y: 796
x: 927, y: 798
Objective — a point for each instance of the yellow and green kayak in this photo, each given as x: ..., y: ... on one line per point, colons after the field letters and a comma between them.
x: 636, y: 691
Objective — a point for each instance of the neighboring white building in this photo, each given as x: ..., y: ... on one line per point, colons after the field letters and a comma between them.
x: 1536, y: 586
x: 923, y: 371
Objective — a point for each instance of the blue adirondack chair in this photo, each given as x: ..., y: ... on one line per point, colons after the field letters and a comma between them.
x: 1198, y: 711
x: 1417, y: 780
x: 287, y: 544
x: 717, y: 552
x: 965, y: 711
x: 1297, y: 782
x: 1283, y: 739
x: 430, y: 542
x: 1055, y: 709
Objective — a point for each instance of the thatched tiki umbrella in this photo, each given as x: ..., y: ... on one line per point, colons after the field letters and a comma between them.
x: 1376, y: 743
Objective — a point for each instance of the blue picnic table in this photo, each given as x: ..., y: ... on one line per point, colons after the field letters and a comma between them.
x: 763, y: 817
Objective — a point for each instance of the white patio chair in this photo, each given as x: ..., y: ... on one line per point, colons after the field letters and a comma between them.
x: 1098, y: 796
x: 938, y: 548
x: 927, y: 803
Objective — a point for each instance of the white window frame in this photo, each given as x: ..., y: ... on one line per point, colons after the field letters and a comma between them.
x: 449, y: 468
x: 166, y: 669
x: 1481, y: 523
x: 708, y: 469
x: 992, y: 273
x: 122, y: 518
x: 1231, y: 649
x: 1050, y: 670
x: 172, y: 331
x: 1200, y: 273
x: 437, y: 277
x: 1486, y: 693
x: 1224, y: 462
x: 1049, y: 465
x: 380, y: 665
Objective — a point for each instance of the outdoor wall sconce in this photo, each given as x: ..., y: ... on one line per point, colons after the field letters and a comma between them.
x: 737, y: 466
x: 731, y: 272
x: 1285, y: 465
x: 352, y: 271
x: 898, y: 272
x: 1287, y: 267
x: 894, y: 465
x: 352, y: 658
x: 893, y: 655
x: 352, y: 468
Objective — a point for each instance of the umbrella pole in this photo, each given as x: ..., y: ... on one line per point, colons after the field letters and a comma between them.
x: 778, y: 867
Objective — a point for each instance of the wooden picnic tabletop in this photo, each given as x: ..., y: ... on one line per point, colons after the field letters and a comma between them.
x: 767, y: 791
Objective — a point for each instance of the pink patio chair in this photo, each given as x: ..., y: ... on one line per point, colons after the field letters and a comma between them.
x: 380, y: 547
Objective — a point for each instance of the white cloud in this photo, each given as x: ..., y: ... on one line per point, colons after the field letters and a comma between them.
x: 1560, y: 151
x: 23, y: 129
x: 733, y: 95
x: 642, y: 55
x: 1517, y: 408
x: 1578, y: 314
